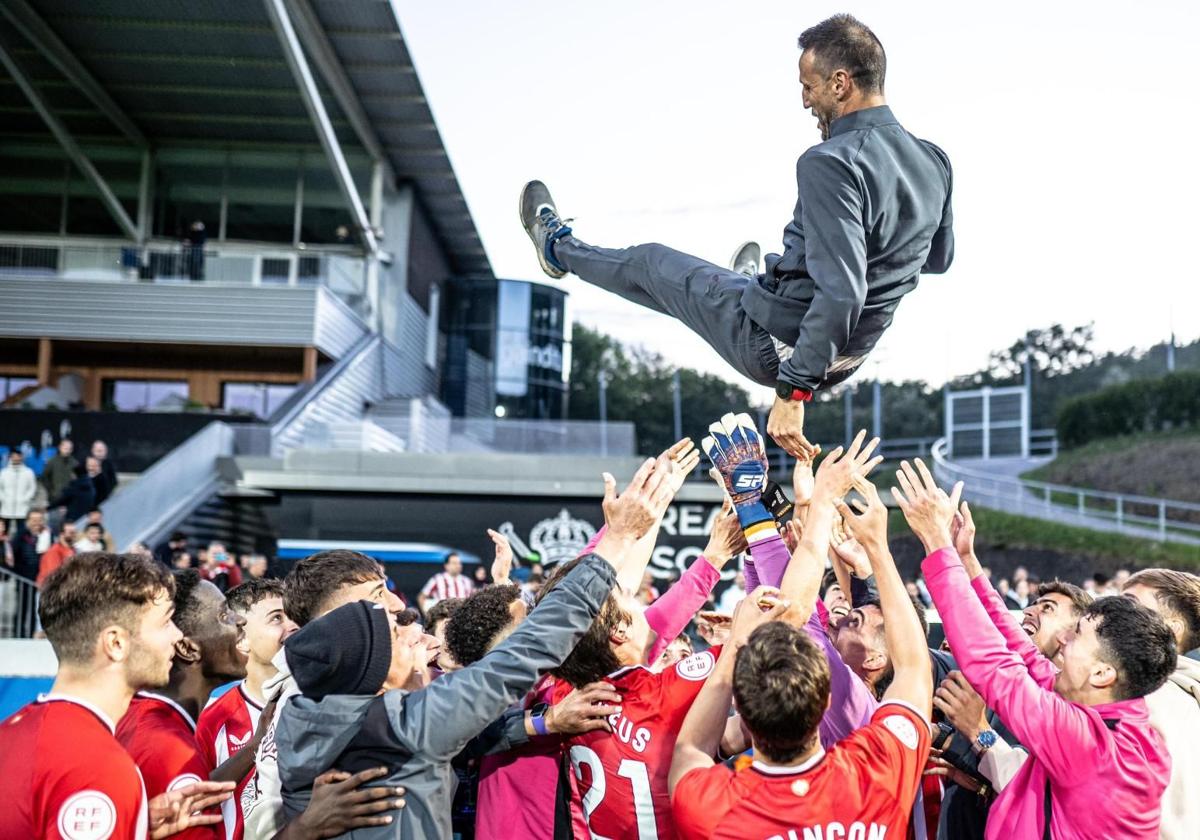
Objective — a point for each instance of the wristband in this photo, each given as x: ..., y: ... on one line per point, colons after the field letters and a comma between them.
x: 539, y: 724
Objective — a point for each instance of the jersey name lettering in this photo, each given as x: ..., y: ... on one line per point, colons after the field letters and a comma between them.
x: 836, y: 831
x: 623, y: 728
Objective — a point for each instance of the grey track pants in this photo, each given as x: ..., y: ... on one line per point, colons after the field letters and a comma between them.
x: 704, y: 297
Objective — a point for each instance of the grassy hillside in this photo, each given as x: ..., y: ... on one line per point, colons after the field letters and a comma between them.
x: 1050, y: 549
x: 1163, y: 464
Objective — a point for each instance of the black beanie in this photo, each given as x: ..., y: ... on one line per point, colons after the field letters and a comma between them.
x: 345, y: 651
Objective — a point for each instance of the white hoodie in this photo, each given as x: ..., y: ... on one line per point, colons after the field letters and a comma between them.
x: 1175, y: 713
x: 262, y: 799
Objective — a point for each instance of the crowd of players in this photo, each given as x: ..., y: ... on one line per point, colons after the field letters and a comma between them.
x: 817, y: 709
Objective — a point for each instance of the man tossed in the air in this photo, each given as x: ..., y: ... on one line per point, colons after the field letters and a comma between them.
x: 872, y: 214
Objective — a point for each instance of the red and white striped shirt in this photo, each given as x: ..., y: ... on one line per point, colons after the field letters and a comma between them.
x: 443, y: 585
x: 225, y: 726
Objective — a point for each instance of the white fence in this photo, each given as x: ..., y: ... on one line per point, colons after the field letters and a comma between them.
x: 1139, y: 516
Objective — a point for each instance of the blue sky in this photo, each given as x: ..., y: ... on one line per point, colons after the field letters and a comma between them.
x: 1072, y: 128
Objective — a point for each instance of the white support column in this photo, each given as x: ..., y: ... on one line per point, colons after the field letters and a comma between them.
x: 294, y: 53
x: 298, y: 210
x: 1025, y: 423
x: 145, y: 190
x: 60, y: 132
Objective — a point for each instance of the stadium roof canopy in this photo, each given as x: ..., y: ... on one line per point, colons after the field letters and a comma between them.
x: 225, y: 73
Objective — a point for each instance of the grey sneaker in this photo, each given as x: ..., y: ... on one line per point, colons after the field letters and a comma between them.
x: 746, y: 258
x: 541, y: 221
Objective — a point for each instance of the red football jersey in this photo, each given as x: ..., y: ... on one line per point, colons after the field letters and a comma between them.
x: 161, y: 737
x: 67, y: 777
x: 622, y: 775
x: 225, y: 726
x: 863, y: 787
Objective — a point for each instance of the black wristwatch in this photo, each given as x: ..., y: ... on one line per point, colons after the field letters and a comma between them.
x: 788, y: 391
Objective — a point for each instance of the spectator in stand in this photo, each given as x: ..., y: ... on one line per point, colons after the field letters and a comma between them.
x: 106, y: 480
x: 59, y: 470
x: 181, y: 560
x: 1175, y: 708
x: 166, y: 552
x: 448, y: 583
x: 480, y: 578
x: 92, y: 539
x: 1003, y: 588
x: 6, y: 550
x: 29, y: 544
x: 138, y: 549
x: 1018, y: 598
x: 59, y: 553
x: 193, y: 250
x: 96, y: 517
x: 256, y: 567
x: 18, y: 488
x: 733, y: 593
x: 108, y: 618
x: 219, y: 568
x: 79, y: 496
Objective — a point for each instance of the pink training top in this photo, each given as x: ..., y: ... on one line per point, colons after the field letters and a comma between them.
x: 517, y: 789
x: 1103, y: 782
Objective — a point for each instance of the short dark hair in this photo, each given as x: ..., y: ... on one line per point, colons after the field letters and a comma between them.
x: 441, y: 611
x: 186, y: 614
x: 592, y: 658
x: 1178, y: 593
x: 1137, y: 642
x: 92, y: 591
x: 313, y: 580
x: 245, y: 595
x: 178, y: 536
x: 781, y: 685
x: 1080, y: 600
x: 479, y: 619
x: 843, y: 42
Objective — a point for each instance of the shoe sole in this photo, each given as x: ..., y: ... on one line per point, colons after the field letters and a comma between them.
x: 733, y: 261
x: 549, y: 269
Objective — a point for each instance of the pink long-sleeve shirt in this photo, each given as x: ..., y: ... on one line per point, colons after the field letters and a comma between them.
x: 517, y: 789
x: 1103, y: 782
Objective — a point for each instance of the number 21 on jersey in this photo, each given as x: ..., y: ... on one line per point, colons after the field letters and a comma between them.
x: 630, y: 772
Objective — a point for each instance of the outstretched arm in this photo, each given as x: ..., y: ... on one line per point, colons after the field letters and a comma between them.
x: 700, y: 737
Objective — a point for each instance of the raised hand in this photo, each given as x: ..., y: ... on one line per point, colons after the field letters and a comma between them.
x: 785, y: 425
x: 803, y: 482
x: 750, y: 614
x: 178, y: 810
x: 867, y: 527
x: 837, y: 472
x: 684, y: 457
x: 927, y: 508
x: 737, y: 453
x: 631, y: 515
x: 727, y: 539
x: 502, y: 565
x: 962, y: 532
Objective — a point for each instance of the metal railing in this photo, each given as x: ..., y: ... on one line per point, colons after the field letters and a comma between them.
x: 171, y: 488
x: 341, y: 271
x: 1141, y: 516
x: 18, y: 606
